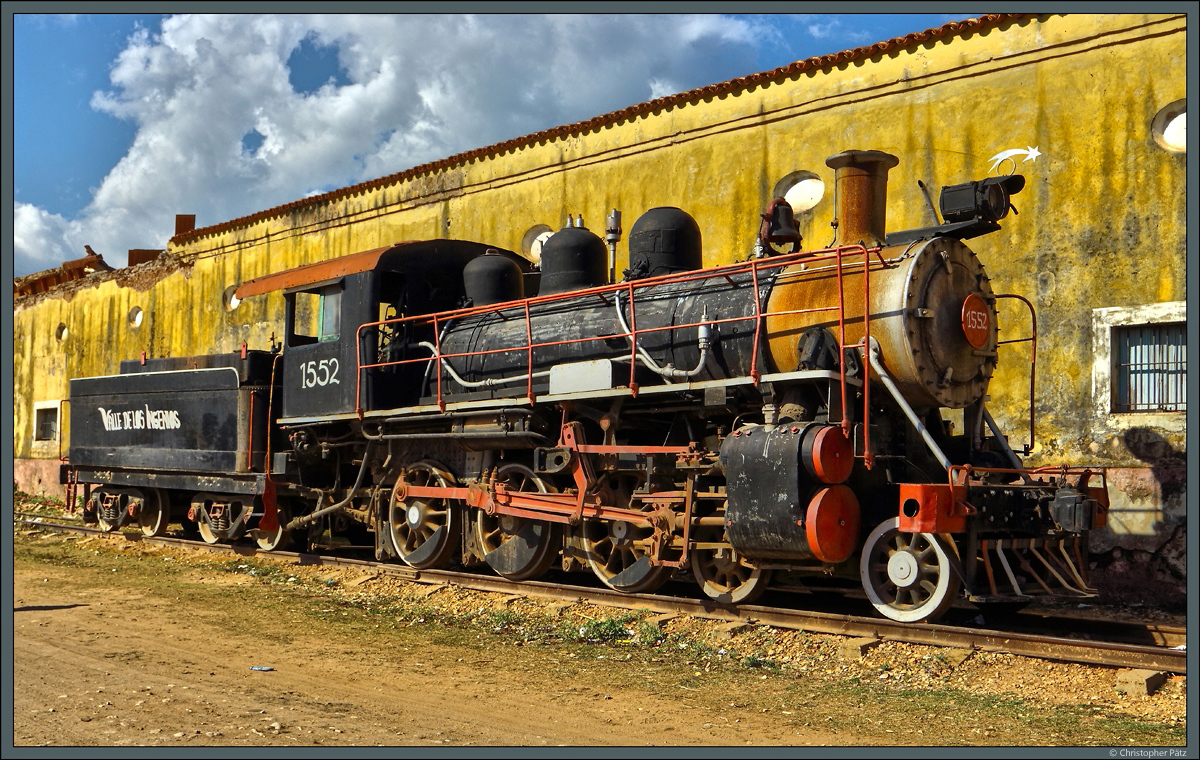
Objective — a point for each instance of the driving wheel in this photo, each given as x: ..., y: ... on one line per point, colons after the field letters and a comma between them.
x: 518, y: 548
x: 425, y: 531
x: 618, y: 553
x: 724, y: 577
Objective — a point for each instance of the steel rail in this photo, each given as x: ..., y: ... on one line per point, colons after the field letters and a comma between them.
x: 1044, y: 647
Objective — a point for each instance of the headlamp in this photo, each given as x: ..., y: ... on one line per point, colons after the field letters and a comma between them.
x: 988, y: 199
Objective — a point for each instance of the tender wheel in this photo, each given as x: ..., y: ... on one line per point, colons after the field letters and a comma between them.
x: 279, y: 539
x: 723, y: 577
x: 207, y: 533
x: 617, y: 553
x: 424, y: 531
x: 908, y: 576
x: 220, y: 521
x: 518, y: 548
x: 109, y: 517
x: 156, y: 513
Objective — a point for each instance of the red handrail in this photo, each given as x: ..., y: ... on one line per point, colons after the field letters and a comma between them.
x: 868, y: 456
x: 529, y: 360
x: 753, y: 267
x: 1032, y: 340
x: 758, y: 322
x: 633, y: 388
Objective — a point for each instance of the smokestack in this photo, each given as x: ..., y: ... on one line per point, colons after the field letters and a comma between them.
x: 860, y: 183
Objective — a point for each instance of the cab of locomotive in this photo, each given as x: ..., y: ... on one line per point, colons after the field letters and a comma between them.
x: 321, y: 356
x: 348, y: 344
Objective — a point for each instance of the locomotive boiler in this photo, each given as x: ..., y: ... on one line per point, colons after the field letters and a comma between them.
x: 445, y: 402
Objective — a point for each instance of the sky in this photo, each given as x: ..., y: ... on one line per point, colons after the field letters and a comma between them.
x: 121, y: 122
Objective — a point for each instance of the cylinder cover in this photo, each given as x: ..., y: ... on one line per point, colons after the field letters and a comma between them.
x: 775, y: 509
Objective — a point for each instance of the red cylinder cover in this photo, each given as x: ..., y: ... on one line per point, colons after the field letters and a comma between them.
x: 831, y: 524
x: 831, y: 457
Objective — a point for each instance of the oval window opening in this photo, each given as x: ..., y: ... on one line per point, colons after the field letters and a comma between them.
x: 531, y: 242
x: 60, y: 332
x: 1170, y: 127
x: 803, y: 190
x: 230, y: 298
x: 135, y: 316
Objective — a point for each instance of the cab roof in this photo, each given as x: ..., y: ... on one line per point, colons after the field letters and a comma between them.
x: 420, y: 254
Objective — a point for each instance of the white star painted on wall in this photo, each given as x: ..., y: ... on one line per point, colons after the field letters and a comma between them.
x: 1030, y: 153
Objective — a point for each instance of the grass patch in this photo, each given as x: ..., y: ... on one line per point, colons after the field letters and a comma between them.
x: 38, y: 503
x: 501, y: 620
x: 965, y: 717
x: 757, y: 661
x: 608, y: 630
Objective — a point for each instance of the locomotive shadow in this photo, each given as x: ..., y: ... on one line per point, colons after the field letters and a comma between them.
x: 47, y: 607
x: 1167, y: 464
x: 1150, y: 572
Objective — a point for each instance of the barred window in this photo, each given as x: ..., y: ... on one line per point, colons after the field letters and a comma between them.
x: 45, y: 424
x: 1150, y: 363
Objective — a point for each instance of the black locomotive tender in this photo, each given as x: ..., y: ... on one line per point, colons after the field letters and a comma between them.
x: 443, y: 403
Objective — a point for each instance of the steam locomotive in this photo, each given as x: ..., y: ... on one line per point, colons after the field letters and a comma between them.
x: 445, y: 402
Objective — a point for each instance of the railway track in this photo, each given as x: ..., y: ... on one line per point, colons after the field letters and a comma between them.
x: 1115, y: 649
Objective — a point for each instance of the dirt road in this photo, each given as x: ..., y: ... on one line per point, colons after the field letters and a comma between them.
x: 100, y: 661
x: 120, y: 644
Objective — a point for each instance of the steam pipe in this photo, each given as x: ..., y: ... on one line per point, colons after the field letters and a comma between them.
x: 704, y: 342
x: 1012, y: 457
x: 487, y: 382
x: 309, y: 519
x: 886, y: 379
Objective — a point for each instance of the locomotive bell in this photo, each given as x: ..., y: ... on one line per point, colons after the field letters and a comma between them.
x: 779, y: 225
x: 782, y: 225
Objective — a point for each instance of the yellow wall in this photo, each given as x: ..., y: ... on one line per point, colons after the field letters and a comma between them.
x: 1102, y: 218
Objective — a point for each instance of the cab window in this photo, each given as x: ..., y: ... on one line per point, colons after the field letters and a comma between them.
x: 316, y: 315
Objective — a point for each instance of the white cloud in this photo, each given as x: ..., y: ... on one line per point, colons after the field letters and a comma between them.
x: 822, y: 27
x: 39, y: 238
x: 660, y: 88
x: 42, y: 240
x: 420, y: 88
x: 821, y: 31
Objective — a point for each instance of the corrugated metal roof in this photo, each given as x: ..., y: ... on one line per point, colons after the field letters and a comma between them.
x: 722, y: 88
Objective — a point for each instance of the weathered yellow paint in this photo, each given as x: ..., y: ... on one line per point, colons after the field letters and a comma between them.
x: 1102, y: 218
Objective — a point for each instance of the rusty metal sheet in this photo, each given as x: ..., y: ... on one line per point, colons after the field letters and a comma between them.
x: 310, y: 273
